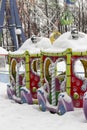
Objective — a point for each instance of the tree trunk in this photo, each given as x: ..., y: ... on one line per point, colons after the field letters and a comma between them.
x: 46, y: 10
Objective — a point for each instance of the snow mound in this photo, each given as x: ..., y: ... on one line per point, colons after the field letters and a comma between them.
x: 34, y: 48
x: 44, y: 43
x: 3, y: 51
x: 65, y: 41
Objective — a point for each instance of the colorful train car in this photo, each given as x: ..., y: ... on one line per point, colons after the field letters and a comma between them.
x: 61, y: 72
x: 24, y: 72
x: 55, y: 81
x: 54, y: 70
x: 63, y: 69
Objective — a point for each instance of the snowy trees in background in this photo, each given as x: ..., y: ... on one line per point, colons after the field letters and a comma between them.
x: 42, y: 17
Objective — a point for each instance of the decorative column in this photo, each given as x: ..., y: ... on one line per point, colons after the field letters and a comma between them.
x: 53, y: 94
x: 17, y: 80
x: 68, y: 71
x: 27, y: 70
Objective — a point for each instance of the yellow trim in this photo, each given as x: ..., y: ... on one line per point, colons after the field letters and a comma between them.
x: 9, y: 61
x: 54, y: 36
x: 35, y: 101
x: 48, y: 62
x: 27, y: 68
x: 68, y: 71
x: 41, y: 71
x: 55, y: 53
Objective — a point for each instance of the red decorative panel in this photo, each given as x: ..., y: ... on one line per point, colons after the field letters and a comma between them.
x: 76, y: 85
x: 34, y: 80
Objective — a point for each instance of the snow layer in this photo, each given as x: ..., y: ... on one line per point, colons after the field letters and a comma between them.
x: 33, y: 48
x: 65, y: 41
x: 3, y: 51
x: 14, y: 116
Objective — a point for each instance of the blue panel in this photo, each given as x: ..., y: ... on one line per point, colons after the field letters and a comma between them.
x: 18, y: 22
x: 70, y: 1
x: 2, y: 14
x: 12, y: 22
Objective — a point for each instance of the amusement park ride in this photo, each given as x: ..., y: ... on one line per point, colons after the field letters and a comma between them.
x: 10, y: 24
x: 15, y: 21
x: 34, y: 77
x: 20, y: 19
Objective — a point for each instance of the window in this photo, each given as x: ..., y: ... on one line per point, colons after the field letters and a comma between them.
x: 35, y: 66
x: 80, y: 67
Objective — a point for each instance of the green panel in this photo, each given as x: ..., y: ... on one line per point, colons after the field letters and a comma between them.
x: 50, y: 97
x: 66, y: 18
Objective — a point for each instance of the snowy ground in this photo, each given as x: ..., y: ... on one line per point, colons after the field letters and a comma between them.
x: 15, y: 116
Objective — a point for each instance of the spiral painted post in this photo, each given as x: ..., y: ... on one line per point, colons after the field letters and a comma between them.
x: 17, y: 80
x: 53, y: 94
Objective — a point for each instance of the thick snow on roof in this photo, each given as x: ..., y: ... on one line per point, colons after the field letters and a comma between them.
x: 34, y: 48
x: 65, y: 41
x: 3, y: 51
x: 44, y: 43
